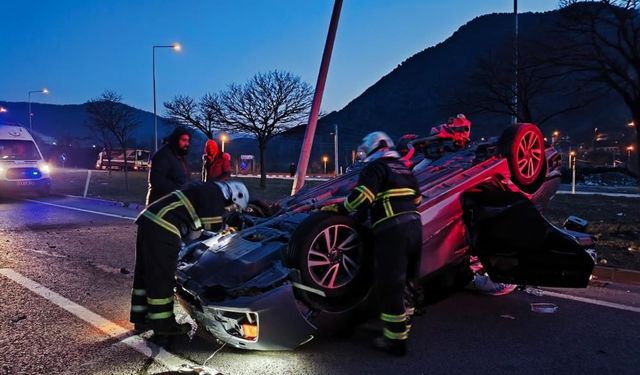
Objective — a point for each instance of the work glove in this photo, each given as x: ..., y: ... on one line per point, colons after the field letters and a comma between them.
x: 337, y: 208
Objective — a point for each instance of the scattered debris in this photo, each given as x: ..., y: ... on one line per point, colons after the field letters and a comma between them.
x: 52, y: 246
x: 124, y: 271
x: 533, y: 291
x: 18, y: 318
x: 544, y: 308
x: 506, y: 316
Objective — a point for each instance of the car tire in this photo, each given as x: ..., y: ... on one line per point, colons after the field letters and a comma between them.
x: 332, y: 254
x: 523, y: 146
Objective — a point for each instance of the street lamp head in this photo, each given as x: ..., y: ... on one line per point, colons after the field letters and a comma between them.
x: 223, y: 137
x: 325, y: 159
x: 3, y: 110
x: 572, y: 153
x: 630, y: 148
x: 45, y: 90
x: 177, y: 47
x: 631, y: 124
x: 556, y: 133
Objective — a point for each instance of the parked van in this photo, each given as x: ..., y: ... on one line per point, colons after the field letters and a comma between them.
x: 22, y: 167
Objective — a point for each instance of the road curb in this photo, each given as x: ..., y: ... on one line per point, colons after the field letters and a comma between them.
x: 617, y: 275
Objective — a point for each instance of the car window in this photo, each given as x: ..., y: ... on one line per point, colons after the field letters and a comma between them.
x: 18, y: 150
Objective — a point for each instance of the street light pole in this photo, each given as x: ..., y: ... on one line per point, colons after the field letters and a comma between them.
x: 325, y: 160
x: 223, y: 138
x: 335, y: 149
x: 176, y: 47
x: 572, y: 161
x: 43, y: 91
x: 514, y: 118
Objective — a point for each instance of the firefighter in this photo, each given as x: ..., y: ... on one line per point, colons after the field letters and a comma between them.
x: 390, y: 191
x: 216, y: 164
x: 162, y: 226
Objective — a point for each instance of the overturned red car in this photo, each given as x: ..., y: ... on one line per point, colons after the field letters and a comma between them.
x: 292, y: 272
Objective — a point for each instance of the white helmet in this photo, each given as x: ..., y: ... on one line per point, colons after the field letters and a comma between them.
x: 374, y: 142
x: 236, y: 192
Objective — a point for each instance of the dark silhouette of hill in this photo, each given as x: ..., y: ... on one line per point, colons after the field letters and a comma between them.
x: 69, y: 122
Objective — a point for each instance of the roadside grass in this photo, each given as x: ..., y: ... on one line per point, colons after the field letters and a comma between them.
x: 615, y: 221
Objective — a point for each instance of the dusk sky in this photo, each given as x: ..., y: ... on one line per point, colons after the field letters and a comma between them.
x: 79, y: 48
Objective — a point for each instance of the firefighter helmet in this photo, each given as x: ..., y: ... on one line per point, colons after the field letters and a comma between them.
x: 373, y: 142
x: 236, y: 192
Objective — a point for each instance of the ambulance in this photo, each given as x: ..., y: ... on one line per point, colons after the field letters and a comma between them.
x: 22, y: 167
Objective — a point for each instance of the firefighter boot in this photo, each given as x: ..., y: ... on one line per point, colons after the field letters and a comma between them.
x: 173, y: 329
x: 141, y: 327
x: 396, y: 348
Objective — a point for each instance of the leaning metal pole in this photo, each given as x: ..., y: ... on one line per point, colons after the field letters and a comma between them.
x: 307, y: 143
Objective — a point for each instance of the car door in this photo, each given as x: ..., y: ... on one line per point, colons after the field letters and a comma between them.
x: 517, y: 245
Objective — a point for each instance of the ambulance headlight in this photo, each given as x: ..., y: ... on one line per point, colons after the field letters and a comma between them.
x: 44, y: 168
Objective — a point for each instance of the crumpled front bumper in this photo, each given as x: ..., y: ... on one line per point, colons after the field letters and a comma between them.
x: 280, y: 323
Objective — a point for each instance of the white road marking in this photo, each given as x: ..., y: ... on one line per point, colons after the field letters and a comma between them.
x: 81, y: 209
x: 625, y: 195
x: 592, y: 301
x: 139, y: 344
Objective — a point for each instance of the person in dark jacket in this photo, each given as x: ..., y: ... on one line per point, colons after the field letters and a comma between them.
x: 169, y: 167
x: 217, y: 165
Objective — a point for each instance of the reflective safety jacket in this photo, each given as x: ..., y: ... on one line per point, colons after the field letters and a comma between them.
x: 388, y: 187
x: 198, y: 206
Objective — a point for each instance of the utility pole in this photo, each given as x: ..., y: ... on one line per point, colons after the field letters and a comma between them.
x: 514, y: 118
x: 335, y: 149
x: 305, y: 152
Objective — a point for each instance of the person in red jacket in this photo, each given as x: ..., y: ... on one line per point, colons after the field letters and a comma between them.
x: 216, y: 165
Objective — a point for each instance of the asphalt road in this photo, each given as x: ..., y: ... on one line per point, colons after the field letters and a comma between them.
x: 78, y: 324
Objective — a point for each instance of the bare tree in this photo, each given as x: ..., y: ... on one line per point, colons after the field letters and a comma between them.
x: 602, y: 41
x: 544, y: 89
x: 109, y: 115
x: 187, y: 111
x: 266, y: 106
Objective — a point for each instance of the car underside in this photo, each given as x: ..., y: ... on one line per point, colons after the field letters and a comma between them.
x: 291, y: 272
